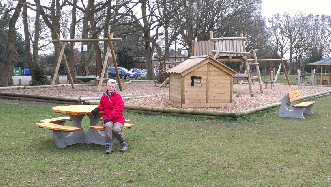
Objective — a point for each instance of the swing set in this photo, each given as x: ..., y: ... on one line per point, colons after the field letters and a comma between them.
x: 110, y: 48
x: 86, y: 75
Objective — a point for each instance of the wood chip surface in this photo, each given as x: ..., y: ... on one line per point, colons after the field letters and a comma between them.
x: 241, y: 98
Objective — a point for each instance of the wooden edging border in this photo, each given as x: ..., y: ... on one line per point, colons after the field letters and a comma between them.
x: 14, y: 96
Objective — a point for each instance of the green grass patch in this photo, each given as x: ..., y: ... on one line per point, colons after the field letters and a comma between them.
x: 292, y: 78
x: 257, y: 150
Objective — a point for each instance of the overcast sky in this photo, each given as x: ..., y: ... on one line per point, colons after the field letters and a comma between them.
x: 317, y: 7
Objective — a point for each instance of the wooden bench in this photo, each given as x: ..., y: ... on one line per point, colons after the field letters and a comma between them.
x: 57, y: 127
x: 243, y: 77
x: 56, y: 124
x: 63, y: 135
x: 58, y: 120
x: 102, y: 128
x: 268, y: 82
x: 294, y: 110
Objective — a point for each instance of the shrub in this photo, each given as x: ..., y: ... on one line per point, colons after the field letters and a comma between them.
x: 38, y: 76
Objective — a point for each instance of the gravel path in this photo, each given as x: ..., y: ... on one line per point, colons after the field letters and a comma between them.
x: 241, y: 97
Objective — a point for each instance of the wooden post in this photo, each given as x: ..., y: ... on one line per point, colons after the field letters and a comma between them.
x: 257, y: 70
x: 249, y: 78
x: 66, y: 64
x: 321, y: 75
x: 110, y: 36
x: 278, y: 71
x: 103, y: 69
x: 58, y: 62
x: 211, y: 43
x: 207, y: 83
x: 285, y: 73
x: 192, y: 52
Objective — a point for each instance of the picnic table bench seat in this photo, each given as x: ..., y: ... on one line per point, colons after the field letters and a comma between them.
x: 101, y: 128
x: 57, y: 127
x: 294, y: 110
x: 96, y: 135
x: 56, y: 124
x: 62, y: 135
x: 58, y: 120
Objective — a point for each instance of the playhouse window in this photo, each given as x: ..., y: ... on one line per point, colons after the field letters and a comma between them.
x: 196, y: 81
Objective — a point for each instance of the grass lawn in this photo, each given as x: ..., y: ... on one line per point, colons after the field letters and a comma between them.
x: 258, y: 150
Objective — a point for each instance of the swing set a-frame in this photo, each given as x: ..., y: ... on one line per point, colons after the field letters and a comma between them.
x: 110, y: 48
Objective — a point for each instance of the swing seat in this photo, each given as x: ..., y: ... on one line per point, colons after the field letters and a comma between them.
x: 86, y: 78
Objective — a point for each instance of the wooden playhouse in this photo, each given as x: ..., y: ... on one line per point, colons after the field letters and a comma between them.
x: 201, y: 82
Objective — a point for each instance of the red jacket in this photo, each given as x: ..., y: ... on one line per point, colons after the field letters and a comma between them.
x: 112, y: 107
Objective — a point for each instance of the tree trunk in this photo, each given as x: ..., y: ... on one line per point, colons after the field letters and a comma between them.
x: 86, y: 28
x: 54, y: 25
x: 72, y: 36
x: 105, y: 35
x: 7, y: 67
x: 147, y: 40
x: 291, y: 70
x: 36, y: 33
x: 27, y: 50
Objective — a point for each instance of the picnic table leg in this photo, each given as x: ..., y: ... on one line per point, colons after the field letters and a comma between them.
x: 94, y: 120
x: 76, y: 120
x: 62, y: 139
x: 97, y: 137
x: 93, y: 135
x: 308, y: 110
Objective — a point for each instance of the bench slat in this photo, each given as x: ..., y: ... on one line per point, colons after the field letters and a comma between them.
x: 53, y: 126
x: 294, y: 95
x: 101, y: 128
x: 304, y: 104
x: 126, y: 120
x: 55, y: 120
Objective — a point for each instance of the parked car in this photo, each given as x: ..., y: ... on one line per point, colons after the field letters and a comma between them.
x: 128, y: 73
x: 138, y: 72
x: 123, y: 73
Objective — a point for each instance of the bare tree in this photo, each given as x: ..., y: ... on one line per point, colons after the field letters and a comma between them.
x: 292, y: 34
x: 28, y: 55
x: 147, y: 6
x: 36, y: 33
x: 72, y: 34
x: 11, y: 54
x: 226, y: 18
x: 51, y: 16
x: 167, y: 11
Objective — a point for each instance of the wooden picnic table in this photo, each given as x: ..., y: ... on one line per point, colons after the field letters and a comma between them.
x: 76, y: 114
x: 68, y: 135
x: 64, y: 135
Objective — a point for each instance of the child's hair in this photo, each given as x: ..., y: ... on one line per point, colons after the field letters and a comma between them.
x: 111, y: 81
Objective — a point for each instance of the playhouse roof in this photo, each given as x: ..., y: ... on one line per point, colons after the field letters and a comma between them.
x: 189, y: 63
